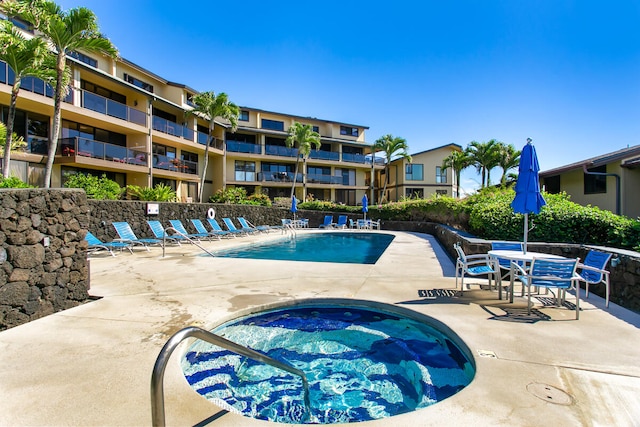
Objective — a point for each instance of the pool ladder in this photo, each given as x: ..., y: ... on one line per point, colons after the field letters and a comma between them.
x: 189, y: 239
x: 157, y: 377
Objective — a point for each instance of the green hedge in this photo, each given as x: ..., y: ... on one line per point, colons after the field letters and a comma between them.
x: 491, y: 217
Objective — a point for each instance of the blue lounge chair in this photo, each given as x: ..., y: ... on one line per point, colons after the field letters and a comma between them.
x: 200, y: 228
x: 160, y: 233
x: 126, y: 234
x: 505, y: 264
x: 96, y: 244
x: 328, y: 222
x: 216, y: 227
x: 179, y: 227
x: 552, y: 273
x: 592, y: 271
x: 475, y: 265
x: 342, y: 222
x: 246, y: 224
x: 232, y: 227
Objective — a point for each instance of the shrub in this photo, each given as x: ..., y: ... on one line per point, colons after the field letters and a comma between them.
x: 13, y: 182
x: 159, y: 193
x: 259, y: 199
x: 96, y: 188
x: 491, y: 217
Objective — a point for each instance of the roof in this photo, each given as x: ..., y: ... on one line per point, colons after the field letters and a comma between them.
x: 629, y: 153
x: 452, y: 145
x: 302, y: 117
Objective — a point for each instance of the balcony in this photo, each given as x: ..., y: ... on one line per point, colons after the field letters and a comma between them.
x: 174, y: 165
x: 216, y: 143
x: 323, y: 179
x: 279, y: 177
x: 172, y: 128
x: 243, y: 147
x: 324, y: 155
x: 109, y: 107
x: 83, y: 147
x: 354, y: 158
x: 278, y: 150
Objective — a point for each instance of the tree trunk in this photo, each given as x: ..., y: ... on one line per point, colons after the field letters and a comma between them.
x: 206, y: 162
x: 295, y: 175
x: 55, y: 130
x: 386, y: 180
x: 10, y: 121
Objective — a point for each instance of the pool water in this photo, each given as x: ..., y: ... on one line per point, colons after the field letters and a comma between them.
x: 340, y: 247
x: 361, y: 364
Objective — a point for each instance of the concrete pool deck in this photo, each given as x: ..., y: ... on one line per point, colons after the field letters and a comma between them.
x: 91, y: 365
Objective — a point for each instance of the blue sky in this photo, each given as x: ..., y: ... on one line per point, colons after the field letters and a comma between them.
x: 564, y: 73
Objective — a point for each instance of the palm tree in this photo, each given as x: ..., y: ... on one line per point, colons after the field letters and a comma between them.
x: 26, y: 57
x: 457, y: 161
x: 509, y: 159
x: 304, y: 137
x: 76, y: 29
x: 484, y: 156
x: 393, y: 148
x: 211, y: 106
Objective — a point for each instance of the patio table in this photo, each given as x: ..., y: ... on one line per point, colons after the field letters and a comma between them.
x: 517, y: 256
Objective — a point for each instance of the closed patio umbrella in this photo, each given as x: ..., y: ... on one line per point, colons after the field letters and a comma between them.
x: 294, y: 207
x: 528, y: 198
x: 365, y: 205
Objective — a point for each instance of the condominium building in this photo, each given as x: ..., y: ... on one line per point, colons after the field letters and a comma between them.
x: 421, y: 178
x: 134, y: 126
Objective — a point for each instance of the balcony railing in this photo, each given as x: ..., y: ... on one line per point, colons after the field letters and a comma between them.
x: 109, y: 107
x: 83, y: 147
x: 278, y: 150
x: 174, y: 165
x: 215, y: 143
x: 243, y: 147
x: 323, y: 179
x: 278, y: 177
x: 172, y: 128
x: 324, y: 155
x: 353, y: 158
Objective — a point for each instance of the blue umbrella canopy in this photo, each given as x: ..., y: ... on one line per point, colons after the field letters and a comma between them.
x: 528, y: 198
x: 365, y: 205
x: 294, y: 204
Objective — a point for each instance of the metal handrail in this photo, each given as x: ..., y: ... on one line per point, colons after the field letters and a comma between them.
x: 157, y: 377
x: 192, y: 241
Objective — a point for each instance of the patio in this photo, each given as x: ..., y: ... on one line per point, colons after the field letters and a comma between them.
x: 91, y: 365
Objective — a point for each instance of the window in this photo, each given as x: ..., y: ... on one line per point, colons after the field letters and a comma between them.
x: 163, y: 150
x: 138, y: 83
x: 348, y: 130
x: 168, y: 182
x: 595, y: 184
x: 414, y: 172
x: 239, y: 137
x: 348, y: 176
x: 244, y: 116
x: 441, y: 175
x: 72, y: 129
x: 441, y: 192
x: 84, y: 58
x: 347, y: 197
x: 272, y: 124
x: 106, y: 93
x: 414, y: 193
x: 190, y: 162
x: 315, y: 129
x: 245, y: 171
x: 552, y: 184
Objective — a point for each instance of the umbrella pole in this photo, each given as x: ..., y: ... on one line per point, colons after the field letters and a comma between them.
x: 526, y: 231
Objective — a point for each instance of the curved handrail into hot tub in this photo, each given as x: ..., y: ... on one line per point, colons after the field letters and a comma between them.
x: 157, y: 377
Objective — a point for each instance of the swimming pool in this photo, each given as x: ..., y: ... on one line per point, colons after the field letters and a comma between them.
x: 363, y: 361
x: 340, y: 247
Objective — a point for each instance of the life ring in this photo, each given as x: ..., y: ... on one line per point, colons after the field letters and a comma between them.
x: 211, y: 213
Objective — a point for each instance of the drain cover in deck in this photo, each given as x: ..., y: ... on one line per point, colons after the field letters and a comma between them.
x: 550, y: 393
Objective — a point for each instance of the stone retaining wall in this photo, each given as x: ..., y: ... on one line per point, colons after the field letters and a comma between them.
x: 43, y: 260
